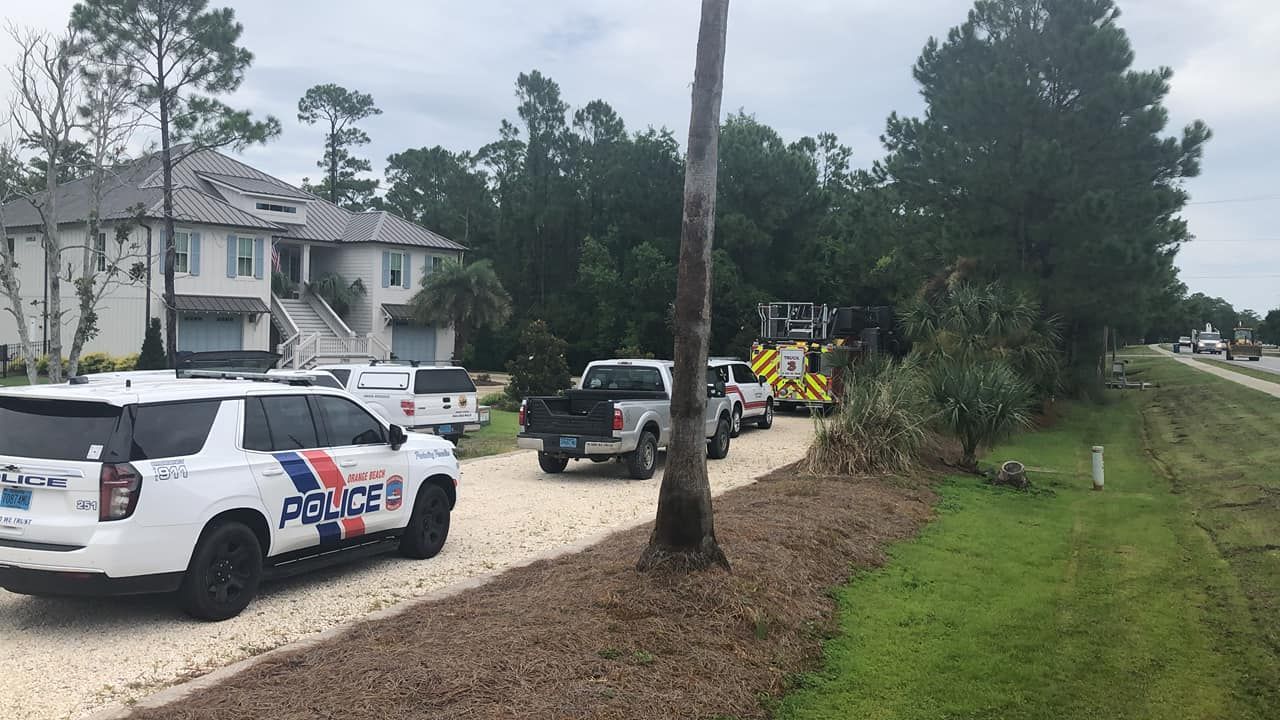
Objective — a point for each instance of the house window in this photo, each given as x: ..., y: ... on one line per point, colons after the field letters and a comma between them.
x: 277, y: 208
x: 436, y: 263
x: 244, y: 257
x: 182, y: 252
x: 397, y: 269
x: 100, y: 250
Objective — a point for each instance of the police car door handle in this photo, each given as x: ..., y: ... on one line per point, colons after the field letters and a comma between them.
x: 272, y: 473
x: 347, y: 463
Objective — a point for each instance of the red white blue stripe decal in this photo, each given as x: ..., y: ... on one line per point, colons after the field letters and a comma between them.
x: 305, y: 480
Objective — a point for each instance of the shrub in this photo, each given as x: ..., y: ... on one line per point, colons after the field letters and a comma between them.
x: 878, y: 427
x: 127, y: 362
x: 539, y: 367
x: 95, y: 362
x: 634, y: 352
x: 979, y: 403
x: 501, y: 401
x: 152, y: 356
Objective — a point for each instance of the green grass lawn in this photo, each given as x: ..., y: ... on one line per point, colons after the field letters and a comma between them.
x: 1242, y: 367
x: 498, y: 436
x: 1137, y: 350
x: 1065, y: 603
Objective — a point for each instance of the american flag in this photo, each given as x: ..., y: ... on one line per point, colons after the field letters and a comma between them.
x: 275, y: 258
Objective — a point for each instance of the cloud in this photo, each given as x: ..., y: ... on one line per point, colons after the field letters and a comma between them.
x: 444, y: 73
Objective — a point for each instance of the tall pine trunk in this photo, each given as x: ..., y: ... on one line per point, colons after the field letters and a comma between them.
x: 684, y: 536
x: 53, y: 264
x: 166, y: 242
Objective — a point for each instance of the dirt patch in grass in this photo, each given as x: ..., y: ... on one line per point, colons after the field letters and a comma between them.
x: 586, y: 636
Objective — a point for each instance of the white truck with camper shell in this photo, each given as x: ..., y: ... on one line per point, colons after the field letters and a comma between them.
x: 432, y: 398
x: 620, y: 410
x: 206, y: 484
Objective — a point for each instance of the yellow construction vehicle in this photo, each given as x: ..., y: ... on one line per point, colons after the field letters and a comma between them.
x: 1244, y: 345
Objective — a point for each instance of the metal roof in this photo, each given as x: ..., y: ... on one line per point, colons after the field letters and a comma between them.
x: 256, y: 186
x: 231, y: 304
x: 200, y: 179
x: 397, y: 311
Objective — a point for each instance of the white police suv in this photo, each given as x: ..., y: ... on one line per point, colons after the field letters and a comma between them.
x: 205, y: 485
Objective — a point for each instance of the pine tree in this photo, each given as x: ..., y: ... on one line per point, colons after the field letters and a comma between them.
x: 152, y: 356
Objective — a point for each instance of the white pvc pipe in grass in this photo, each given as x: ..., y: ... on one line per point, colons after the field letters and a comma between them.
x: 1097, y: 467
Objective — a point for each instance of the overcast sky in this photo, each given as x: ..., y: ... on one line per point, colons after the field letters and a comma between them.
x: 444, y: 72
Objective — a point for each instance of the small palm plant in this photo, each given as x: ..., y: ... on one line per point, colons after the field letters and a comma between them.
x: 336, y: 291
x: 980, y: 403
x: 464, y: 297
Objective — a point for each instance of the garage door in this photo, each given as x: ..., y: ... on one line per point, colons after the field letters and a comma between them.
x: 413, y: 342
x: 201, y: 332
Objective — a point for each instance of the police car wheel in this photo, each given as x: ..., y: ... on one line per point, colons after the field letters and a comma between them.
x: 766, y: 420
x: 428, y: 527
x: 736, y: 429
x: 224, y: 574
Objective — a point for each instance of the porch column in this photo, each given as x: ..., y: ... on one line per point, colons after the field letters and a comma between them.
x: 304, y: 273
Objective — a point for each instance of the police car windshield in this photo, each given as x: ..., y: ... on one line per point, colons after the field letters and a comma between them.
x: 56, y: 429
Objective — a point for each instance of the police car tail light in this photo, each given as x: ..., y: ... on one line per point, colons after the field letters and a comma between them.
x: 617, y: 418
x: 520, y: 420
x: 406, y: 406
x: 119, y: 485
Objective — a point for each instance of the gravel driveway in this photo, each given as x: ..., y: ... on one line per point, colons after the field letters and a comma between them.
x: 70, y: 657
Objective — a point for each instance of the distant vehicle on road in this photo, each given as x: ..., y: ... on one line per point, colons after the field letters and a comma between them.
x: 1183, y: 342
x: 752, y: 395
x: 1244, y: 345
x: 1208, y: 342
x: 621, y: 410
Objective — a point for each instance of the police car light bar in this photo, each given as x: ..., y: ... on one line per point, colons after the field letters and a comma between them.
x: 256, y: 377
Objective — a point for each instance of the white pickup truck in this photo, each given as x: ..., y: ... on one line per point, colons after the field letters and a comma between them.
x: 620, y: 410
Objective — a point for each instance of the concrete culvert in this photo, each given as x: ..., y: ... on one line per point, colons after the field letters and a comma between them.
x: 1012, y: 473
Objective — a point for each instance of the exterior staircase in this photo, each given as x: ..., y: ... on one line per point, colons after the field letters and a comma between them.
x: 314, y: 334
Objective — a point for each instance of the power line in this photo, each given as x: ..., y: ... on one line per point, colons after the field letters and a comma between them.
x: 1256, y: 198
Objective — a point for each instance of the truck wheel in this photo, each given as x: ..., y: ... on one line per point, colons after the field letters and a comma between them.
x: 642, y: 462
x: 766, y: 420
x: 224, y: 574
x: 551, y: 463
x: 718, y: 445
x: 735, y: 428
x: 428, y: 526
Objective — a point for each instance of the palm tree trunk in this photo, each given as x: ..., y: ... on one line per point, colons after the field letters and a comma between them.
x: 684, y: 535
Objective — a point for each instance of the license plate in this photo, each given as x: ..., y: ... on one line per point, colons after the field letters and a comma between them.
x: 16, y: 499
x: 569, y: 442
x: 445, y: 429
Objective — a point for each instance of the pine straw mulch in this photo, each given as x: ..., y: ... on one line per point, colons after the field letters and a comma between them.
x: 586, y: 636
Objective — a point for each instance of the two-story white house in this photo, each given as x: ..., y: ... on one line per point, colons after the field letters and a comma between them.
x: 236, y: 228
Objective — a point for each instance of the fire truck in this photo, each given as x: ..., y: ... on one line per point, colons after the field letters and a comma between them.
x: 803, y: 346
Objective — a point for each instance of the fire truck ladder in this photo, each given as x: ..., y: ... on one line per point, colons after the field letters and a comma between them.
x: 795, y: 321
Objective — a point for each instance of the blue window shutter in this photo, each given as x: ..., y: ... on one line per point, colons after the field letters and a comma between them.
x: 406, y: 274
x: 258, y: 260
x: 386, y: 269
x: 231, y: 256
x: 193, y: 253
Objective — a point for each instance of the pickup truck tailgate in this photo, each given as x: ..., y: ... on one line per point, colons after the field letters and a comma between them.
x: 555, y: 416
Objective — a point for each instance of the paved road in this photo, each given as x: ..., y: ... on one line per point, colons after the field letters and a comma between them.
x: 69, y: 657
x: 1264, y: 386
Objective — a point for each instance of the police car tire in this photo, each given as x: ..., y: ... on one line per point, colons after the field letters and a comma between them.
x: 766, y: 420
x: 735, y: 426
x: 552, y: 464
x: 428, y: 527
x: 224, y: 573
x: 644, y: 461
x: 718, y: 445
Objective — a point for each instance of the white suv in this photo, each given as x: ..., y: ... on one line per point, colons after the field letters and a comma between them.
x: 752, y: 395
x: 126, y: 484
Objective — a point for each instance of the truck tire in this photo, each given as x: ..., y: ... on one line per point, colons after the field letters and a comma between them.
x: 766, y: 420
x: 718, y: 445
x: 552, y: 464
x: 224, y: 573
x: 735, y: 427
x: 428, y: 526
x: 642, y: 462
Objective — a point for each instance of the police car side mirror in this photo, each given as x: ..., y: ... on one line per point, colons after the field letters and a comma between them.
x: 397, y: 437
